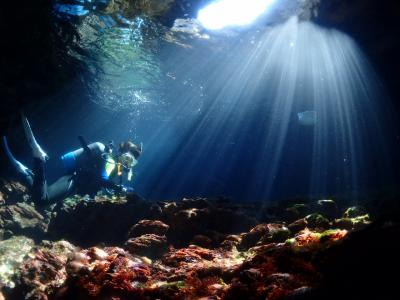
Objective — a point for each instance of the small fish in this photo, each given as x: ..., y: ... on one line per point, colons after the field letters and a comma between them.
x: 307, y: 118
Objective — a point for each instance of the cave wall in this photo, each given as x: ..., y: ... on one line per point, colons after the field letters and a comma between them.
x: 375, y: 26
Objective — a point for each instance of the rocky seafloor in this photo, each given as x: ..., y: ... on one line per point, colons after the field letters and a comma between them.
x: 130, y: 248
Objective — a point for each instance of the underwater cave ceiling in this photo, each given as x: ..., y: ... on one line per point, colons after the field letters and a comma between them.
x: 41, y: 54
x: 375, y: 27
x: 167, y: 11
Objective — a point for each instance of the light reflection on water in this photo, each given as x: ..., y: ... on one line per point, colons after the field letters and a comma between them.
x: 131, y: 78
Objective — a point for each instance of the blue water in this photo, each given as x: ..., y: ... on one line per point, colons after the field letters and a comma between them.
x: 218, y: 116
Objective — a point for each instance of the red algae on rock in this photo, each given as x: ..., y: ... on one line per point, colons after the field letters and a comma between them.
x: 266, y: 271
x: 190, y: 273
x: 307, y: 237
x: 44, y: 272
x: 165, y: 258
x: 107, y: 271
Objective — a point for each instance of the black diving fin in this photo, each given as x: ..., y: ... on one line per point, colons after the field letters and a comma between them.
x: 37, y: 151
x: 18, y: 166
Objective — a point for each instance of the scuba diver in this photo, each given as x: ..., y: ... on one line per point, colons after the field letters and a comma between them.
x: 88, y: 170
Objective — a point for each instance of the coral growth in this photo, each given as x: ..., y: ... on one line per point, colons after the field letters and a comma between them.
x: 190, y: 249
x: 189, y: 273
x: 98, y: 273
x: 43, y: 273
x: 12, y: 253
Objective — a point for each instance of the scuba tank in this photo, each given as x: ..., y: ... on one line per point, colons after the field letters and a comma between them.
x: 88, y: 155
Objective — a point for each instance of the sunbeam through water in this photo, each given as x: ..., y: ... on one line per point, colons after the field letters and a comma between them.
x: 247, y: 131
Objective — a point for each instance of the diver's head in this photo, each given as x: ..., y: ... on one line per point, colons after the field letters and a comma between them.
x: 130, y: 148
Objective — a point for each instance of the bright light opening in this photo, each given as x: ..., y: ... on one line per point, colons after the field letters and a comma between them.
x: 225, y: 13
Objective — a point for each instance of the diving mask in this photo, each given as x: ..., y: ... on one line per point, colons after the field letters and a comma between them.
x: 127, y: 160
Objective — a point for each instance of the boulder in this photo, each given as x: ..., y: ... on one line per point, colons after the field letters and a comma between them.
x: 12, y: 192
x: 201, y: 217
x: 327, y: 208
x: 231, y: 241
x: 129, y: 9
x: 355, y: 223
x: 354, y: 211
x: 148, y: 227
x: 264, y: 234
x: 317, y: 221
x: 277, y: 233
x: 296, y: 212
x: 150, y: 245
x: 23, y: 219
x: 102, y: 220
x: 202, y: 241
x: 298, y: 225
x: 314, y: 221
x: 198, y: 203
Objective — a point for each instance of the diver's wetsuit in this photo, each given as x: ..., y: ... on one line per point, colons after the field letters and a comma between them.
x: 85, y: 174
x: 88, y: 169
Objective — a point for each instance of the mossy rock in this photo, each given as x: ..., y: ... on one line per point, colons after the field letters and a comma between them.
x: 327, y: 207
x: 296, y: 211
x: 353, y: 223
x: 354, y: 211
x: 317, y: 221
